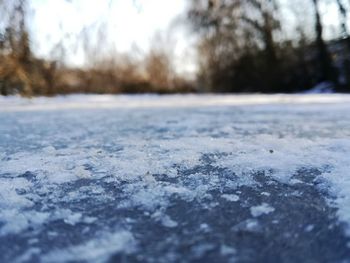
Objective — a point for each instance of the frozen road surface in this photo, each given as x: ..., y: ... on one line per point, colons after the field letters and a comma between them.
x: 175, y: 179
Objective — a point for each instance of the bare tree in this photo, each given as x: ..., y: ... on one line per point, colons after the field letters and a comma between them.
x: 326, y: 70
x: 343, y: 19
x: 15, y: 50
x: 233, y: 32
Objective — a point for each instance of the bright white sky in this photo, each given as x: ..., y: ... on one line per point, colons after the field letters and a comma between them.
x: 130, y: 23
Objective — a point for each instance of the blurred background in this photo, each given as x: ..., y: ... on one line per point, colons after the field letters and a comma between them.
x: 50, y: 47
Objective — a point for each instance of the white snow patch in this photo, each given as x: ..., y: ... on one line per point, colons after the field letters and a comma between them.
x: 95, y: 250
x: 227, y: 250
x: 262, y: 209
x: 168, y: 222
x: 230, y: 197
x: 164, y: 219
x: 309, y: 228
x: 16, y: 221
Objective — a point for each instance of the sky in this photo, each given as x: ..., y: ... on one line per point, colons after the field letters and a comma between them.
x: 146, y: 17
x: 130, y: 23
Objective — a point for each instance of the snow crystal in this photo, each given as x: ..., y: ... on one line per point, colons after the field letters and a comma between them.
x: 72, y: 218
x: 168, y: 222
x: 81, y: 172
x: 164, y: 219
x: 309, y: 228
x: 262, y: 209
x: 249, y: 225
x: 204, y: 226
x: 230, y: 197
x: 252, y: 224
x: 227, y: 250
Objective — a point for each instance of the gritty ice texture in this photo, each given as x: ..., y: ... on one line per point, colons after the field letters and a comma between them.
x: 68, y: 162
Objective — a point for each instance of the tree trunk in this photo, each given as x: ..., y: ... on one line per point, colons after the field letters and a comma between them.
x: 326, y: 69
x: 343, y: 12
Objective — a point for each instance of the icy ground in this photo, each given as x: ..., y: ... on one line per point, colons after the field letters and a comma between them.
x: 175, y: 179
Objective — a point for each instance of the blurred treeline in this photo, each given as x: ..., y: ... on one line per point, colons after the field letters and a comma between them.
x: 21, y: 72
x: 251, y: 45
x: 243, y: 46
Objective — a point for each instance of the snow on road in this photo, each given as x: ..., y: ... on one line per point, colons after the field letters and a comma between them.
x: 100, y: 178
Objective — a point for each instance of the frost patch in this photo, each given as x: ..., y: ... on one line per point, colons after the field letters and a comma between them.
x: 96, y: 250
x: 262, y: 209
x: 14, y: 221
x: 164, y: 219
x: 227, y: 250
x: 230, y: 197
